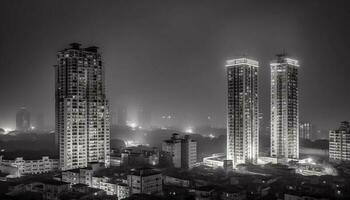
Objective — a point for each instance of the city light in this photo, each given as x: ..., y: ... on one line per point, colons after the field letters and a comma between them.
x: 133, y: 125
x: 189, y: 130
x: 7, y: 130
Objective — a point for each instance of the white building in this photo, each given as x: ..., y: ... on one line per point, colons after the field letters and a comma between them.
x: 145, y: 181
x: 339, y: 143
x: 284, y: 108
x: 243, y: 111
x: 215, y: 160
x: 82, y: 116
x: 33, y: 166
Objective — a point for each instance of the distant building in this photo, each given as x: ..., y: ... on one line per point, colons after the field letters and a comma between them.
x: 284, y: 108
x: 40, y: 122
x: 339, y: 143
x: 305, y: 130
x: 82, y: 113
x: 139, y: 156
x: 242, y: 111
x: 25, y: 167
x: 121, y: 116
x: 144, y: 117
x: 183, y: 151
x: 23, y: 120
x: 145, y: 181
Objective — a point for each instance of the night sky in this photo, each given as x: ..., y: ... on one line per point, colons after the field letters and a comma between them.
x: 169, y: 56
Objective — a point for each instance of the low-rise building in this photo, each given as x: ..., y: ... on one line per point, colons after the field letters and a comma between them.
x: 215, y: 160
x: 145, y: 180
x: 176, y: 181
x: 49, y: 189
x: 28, y: 166
x: 122, y: 190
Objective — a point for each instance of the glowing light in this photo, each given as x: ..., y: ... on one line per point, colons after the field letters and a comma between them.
x: 7, y: 130
x: 189, y: 130
x: 32, y: 127
x: 133, y: 125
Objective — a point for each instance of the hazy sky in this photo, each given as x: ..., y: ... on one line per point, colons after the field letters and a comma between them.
x: 169, y: 55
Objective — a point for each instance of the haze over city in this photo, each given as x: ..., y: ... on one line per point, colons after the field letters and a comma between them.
x: 169, y: 56
x: 174, y: 100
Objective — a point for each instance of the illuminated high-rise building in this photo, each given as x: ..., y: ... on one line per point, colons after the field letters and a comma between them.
x: 82, y: 117
x: 23, y: 120
x: 284, y: 108
x: 243, y: 111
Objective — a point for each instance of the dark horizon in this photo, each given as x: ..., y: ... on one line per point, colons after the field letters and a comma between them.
x: 170, y: 56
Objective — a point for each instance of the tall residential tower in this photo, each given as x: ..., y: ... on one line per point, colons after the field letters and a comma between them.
x: 82, y: 117
x: 243, y: 111
x: 284, y: 108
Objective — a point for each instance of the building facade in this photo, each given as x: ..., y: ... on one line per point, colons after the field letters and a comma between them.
x: 82, y: 116
x: 243, y: 111
x: 183, y: 151
x: 33, y: 166
x: 23, y: 120
x: 339, y: 143
x: 284, y: 108
x: 188, y: 152
x: 145, y: 181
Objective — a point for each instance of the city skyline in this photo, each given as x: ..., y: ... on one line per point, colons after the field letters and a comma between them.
x: 174, y: 99
x: 183, y: 65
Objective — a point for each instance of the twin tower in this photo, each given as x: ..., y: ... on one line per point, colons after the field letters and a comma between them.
x: 243, y: 110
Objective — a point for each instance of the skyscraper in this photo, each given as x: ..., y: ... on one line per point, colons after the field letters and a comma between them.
x: 23, y: 120
x: 82, y: 116
x: 284, y: 108
x: 243, y: 111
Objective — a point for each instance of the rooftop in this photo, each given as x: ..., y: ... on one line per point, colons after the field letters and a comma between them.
x: 242, y: 61
x: 53, y: 182
x: 146, y: 171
